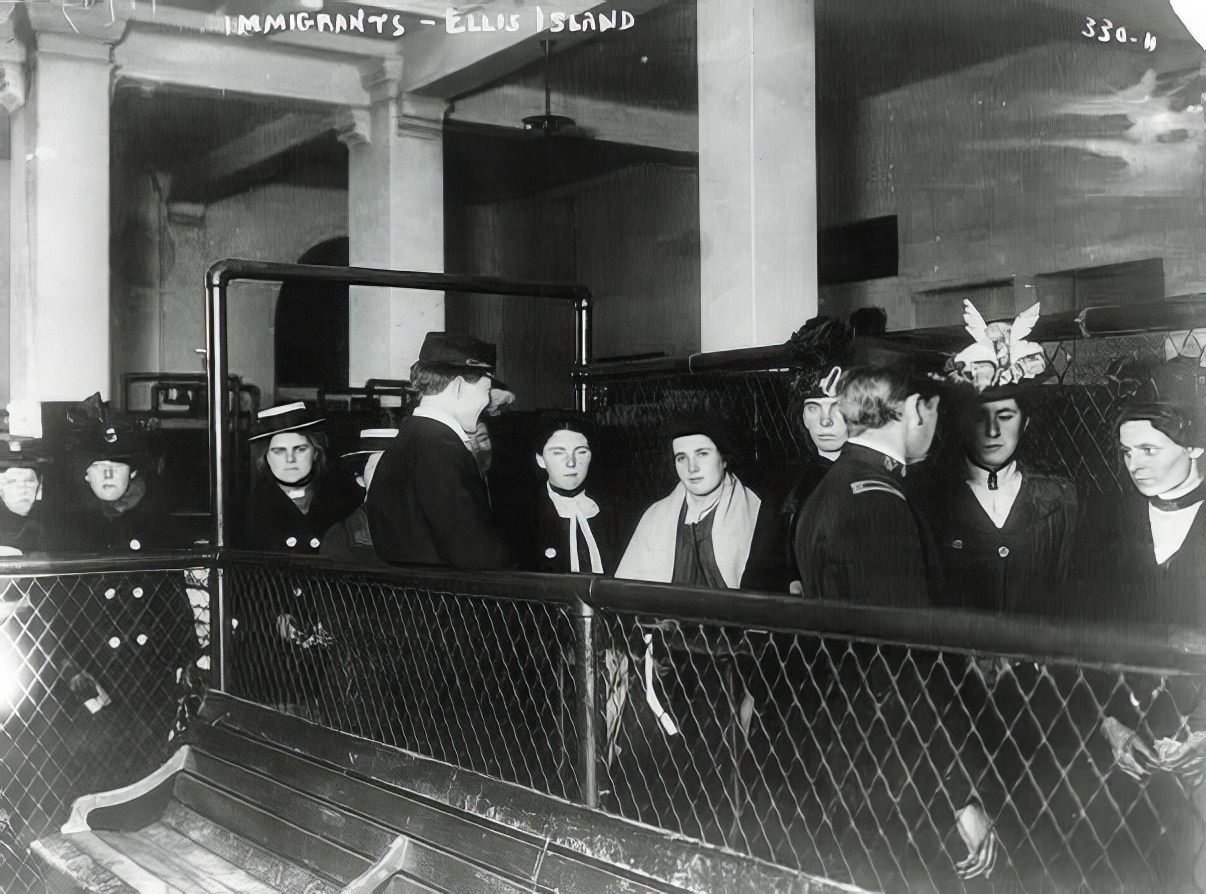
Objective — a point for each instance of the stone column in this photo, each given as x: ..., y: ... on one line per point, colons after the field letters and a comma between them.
x: 395, y: 220
x: 757, y: 170
x: 59, y: 240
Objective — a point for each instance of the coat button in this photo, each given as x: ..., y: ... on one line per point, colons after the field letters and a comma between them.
x: 1003, y: 552
x: 957, y: 544
x: 137, y: 592
x: 142, y: 639
x: 291, y: 542
x: 134, y: 544
x: 110, y: 593
x: 114, y: 642
x: 550, y: 553
x: 314, y: 542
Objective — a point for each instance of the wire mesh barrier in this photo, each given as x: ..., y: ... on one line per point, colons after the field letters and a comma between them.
x: 846, y: 753
x: 92, y: 687
x: 850, y: 759
x: 1073, y: 432
x: 477, y: 676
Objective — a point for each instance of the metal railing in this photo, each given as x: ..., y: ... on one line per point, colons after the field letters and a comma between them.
x: 840, y: 740
x: 97, y: 660
x: 217, y: 281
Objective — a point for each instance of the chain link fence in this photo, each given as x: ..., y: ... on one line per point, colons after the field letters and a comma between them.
x: 1073, y: 434
x: 478, y: 676
x: 840, y: 753
x: 95, y: 676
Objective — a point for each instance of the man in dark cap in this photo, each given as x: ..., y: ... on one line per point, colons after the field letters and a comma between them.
x: 429, y: 505
x: 22, y: 465
x: 861, y: 538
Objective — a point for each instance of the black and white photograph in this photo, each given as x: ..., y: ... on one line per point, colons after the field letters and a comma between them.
x: 602, y: 446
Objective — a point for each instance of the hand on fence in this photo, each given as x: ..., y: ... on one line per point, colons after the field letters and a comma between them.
x: 1131, y: 753
x: 290, y: 631
x: 1186, y: 759
x: 981, y: 839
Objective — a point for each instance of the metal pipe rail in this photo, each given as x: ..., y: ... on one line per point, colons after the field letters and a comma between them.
x: 1188, y: 312
x: 759, y: 722
x: 1092, y: 644
x: 223, y: 273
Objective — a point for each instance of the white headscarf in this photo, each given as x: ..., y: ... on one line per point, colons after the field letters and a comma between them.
x: 650, y: 553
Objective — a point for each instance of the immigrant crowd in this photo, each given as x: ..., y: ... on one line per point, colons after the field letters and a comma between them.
x: 875, y: 514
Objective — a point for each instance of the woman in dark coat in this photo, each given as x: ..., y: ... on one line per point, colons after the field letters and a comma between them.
x: 1145, y: 559
x: 126, y: 640
x: 569, y: 532
x: 23, y: 528
x: 817, y: 347
x: 1006, y: 531
x: 295, y: 497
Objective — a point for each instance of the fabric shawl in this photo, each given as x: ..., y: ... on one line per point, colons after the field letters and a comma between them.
x: 650, y: 553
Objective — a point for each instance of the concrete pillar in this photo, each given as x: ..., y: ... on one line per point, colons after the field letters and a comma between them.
x: 757, y: 170
x: 395, y: 220
x: 59, y: 185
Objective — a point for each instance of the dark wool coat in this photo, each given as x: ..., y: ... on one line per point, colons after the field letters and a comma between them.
x: 1016, y: 568
x: 351, y: 542
x: 772, y: 562
x: 275, y: 524
x: 549, y: 532
x: 861, y: 539
x: 1116, y: 576
x: 27, y: 533
x: 144, y: 526
x: 428, y: 504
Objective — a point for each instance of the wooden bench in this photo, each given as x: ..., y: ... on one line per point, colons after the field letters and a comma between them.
x: 264, y: 802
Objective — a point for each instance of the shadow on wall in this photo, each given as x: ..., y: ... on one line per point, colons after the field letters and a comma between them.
x: 310, y: 329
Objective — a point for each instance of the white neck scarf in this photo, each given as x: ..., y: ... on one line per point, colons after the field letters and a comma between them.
x: 578, y: 510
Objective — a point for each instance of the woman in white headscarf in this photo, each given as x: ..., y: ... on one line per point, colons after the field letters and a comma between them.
x: 700, y: 534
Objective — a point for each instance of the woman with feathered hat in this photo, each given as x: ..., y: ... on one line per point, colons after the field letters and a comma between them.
x: 1006, y: 530
x: 817, y: 348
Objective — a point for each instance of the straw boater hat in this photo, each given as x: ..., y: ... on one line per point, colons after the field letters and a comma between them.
x: 373, y: 440
x: 284, y: 418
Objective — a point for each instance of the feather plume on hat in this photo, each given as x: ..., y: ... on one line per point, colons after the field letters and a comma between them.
x: 999, y: 354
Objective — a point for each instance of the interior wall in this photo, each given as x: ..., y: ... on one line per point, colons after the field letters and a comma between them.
x: 631, y: 236
x: 1063, y: 156
x: 158, y: 295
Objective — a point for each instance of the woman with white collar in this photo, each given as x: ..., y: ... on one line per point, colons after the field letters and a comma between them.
x: 1006, y: 530
x: 700, y: 534
x: 571, y: 534
x: 1161, y: 549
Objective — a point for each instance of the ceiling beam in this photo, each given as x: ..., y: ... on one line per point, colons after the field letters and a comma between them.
x: 211, y: 61
x: 265, y: 143
x: 615, y: 122
x: 448, y: 65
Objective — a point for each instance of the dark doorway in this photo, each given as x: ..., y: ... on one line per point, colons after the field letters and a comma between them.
x: 311, y: 326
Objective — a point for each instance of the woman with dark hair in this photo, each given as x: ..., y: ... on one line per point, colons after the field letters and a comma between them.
x: 1150, y: 563
x: 569, y: 533
x: 700, y: 534
x: 817, y: 347
x: 295, y: 497
x: 1006, y: 531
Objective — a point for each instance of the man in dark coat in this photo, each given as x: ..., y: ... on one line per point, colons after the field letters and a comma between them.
x: 429, y: 504
x: 350, y: 540
x: 861, y: 537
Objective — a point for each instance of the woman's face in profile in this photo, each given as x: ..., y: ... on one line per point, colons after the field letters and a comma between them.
x: 290, y: 457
